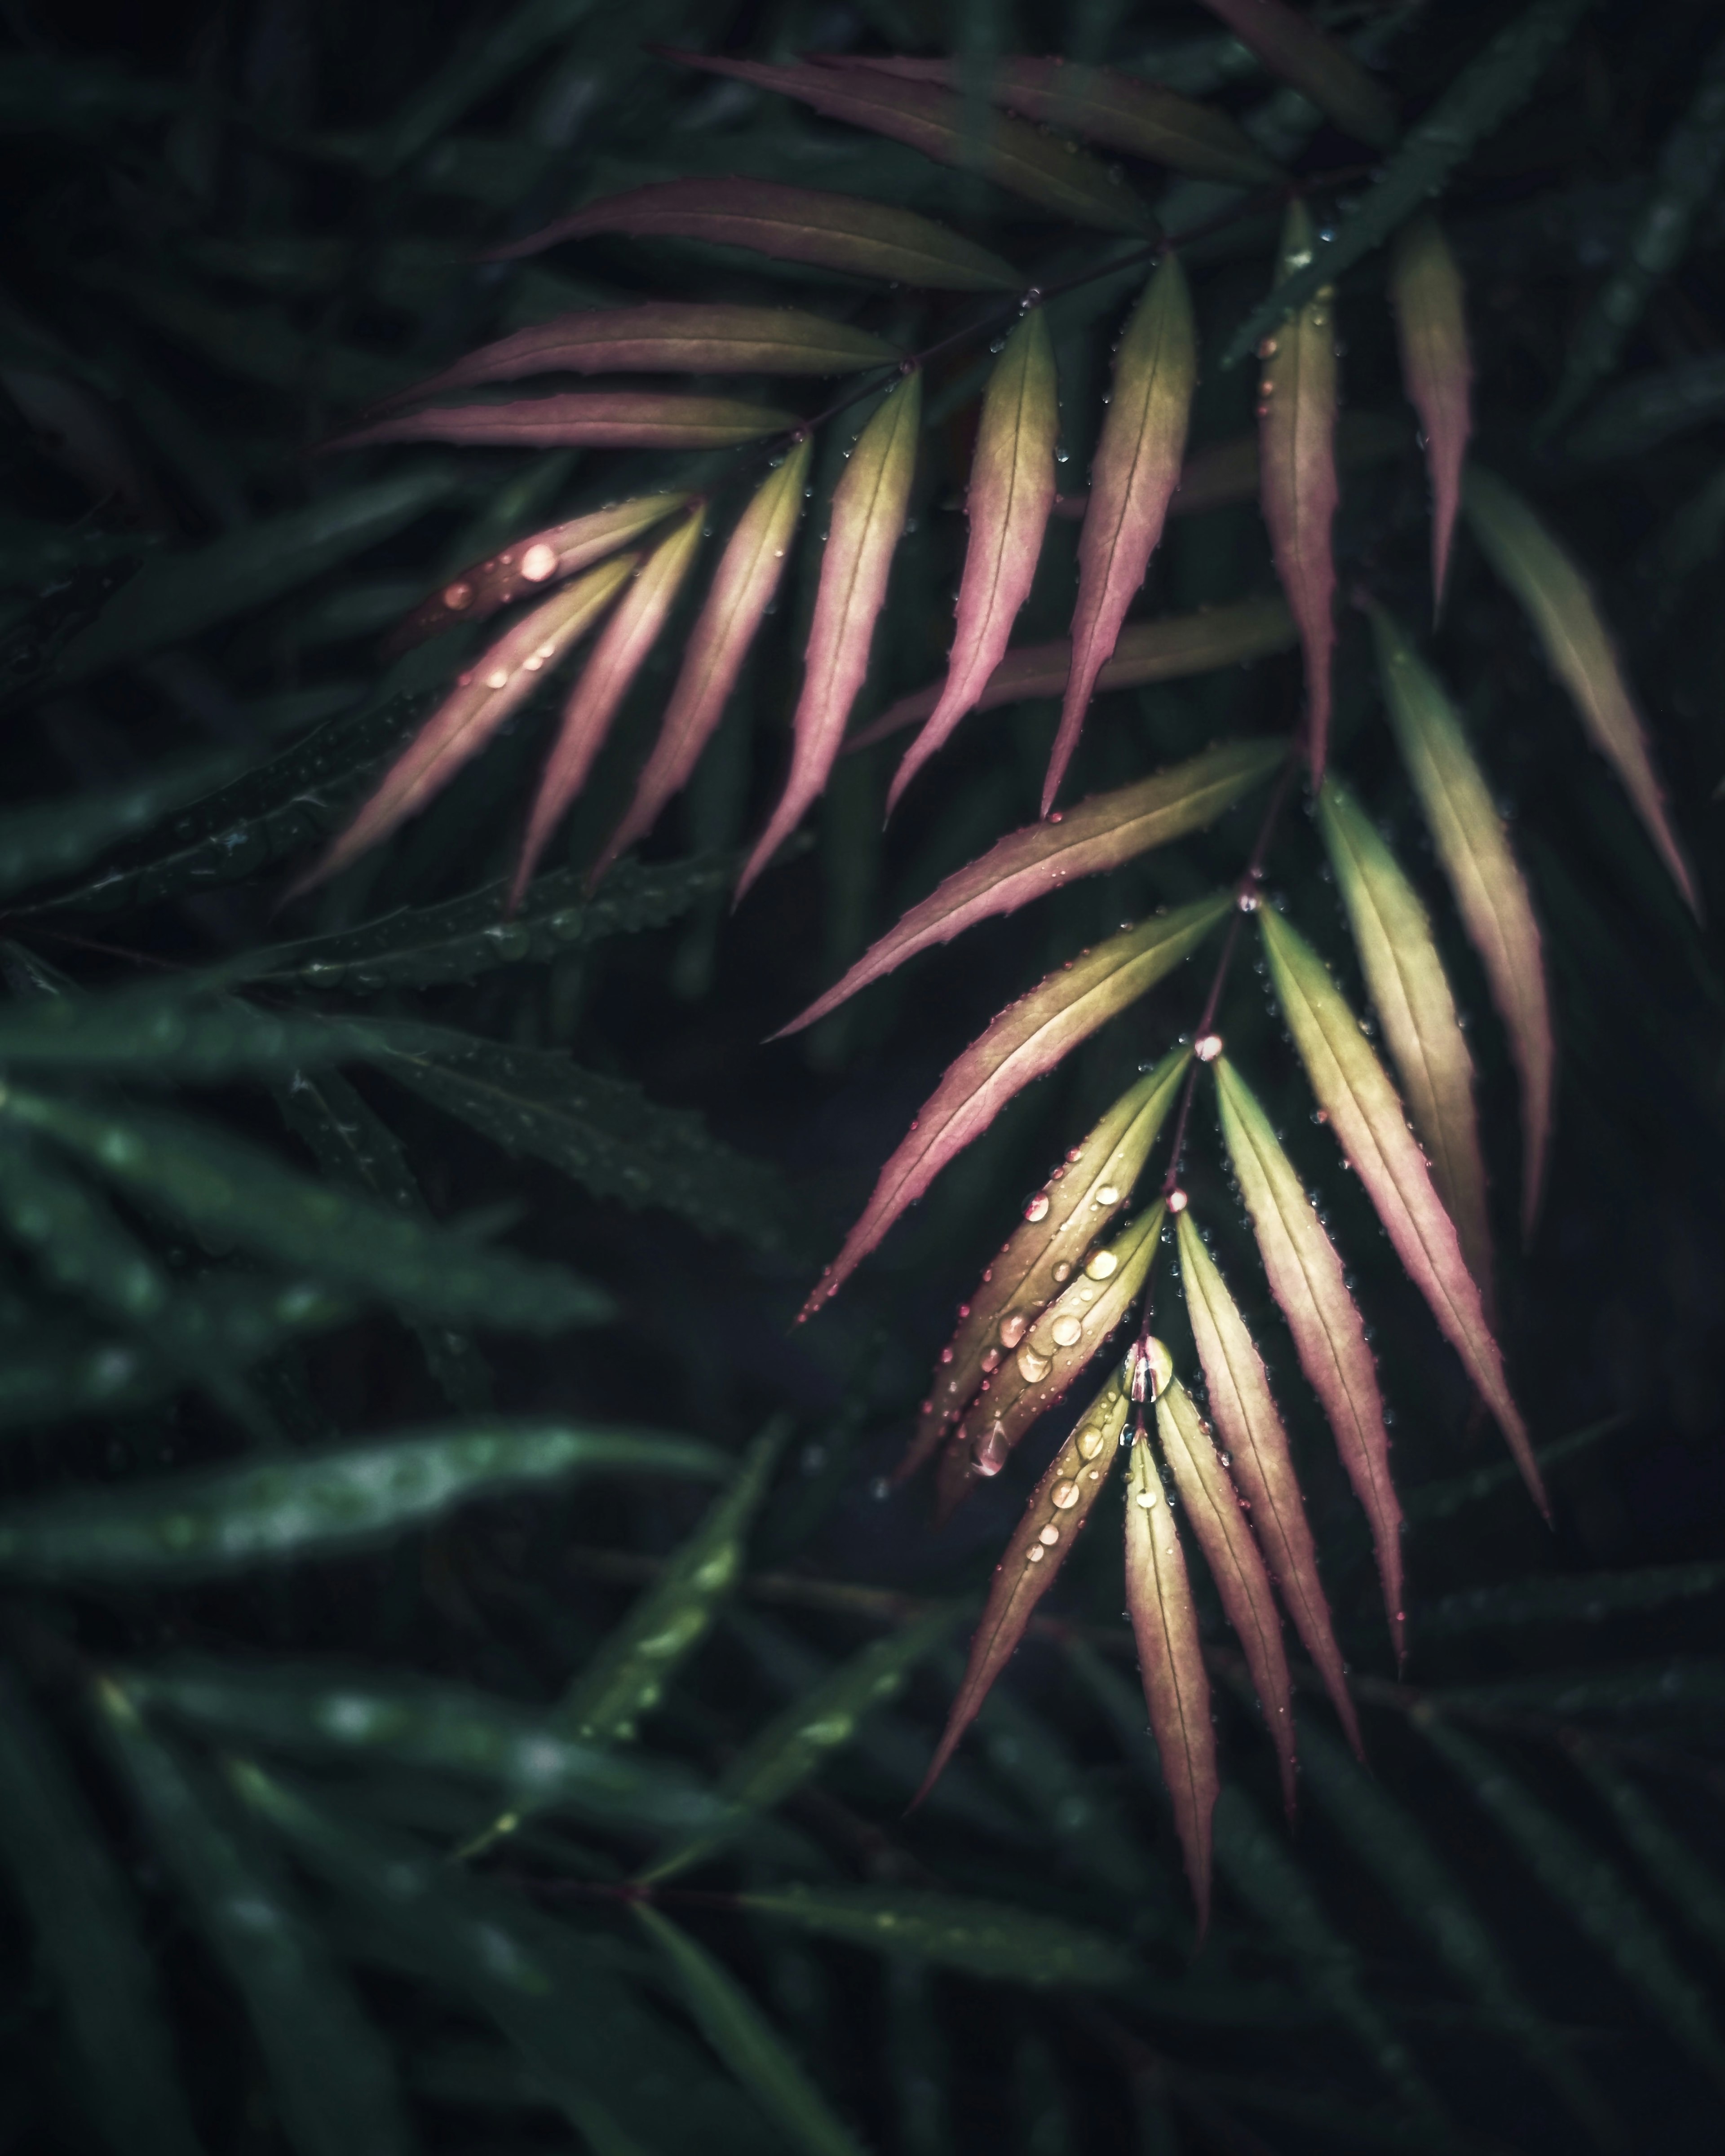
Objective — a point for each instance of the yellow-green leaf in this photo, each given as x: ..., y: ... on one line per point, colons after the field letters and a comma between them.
x: 1425, y: 293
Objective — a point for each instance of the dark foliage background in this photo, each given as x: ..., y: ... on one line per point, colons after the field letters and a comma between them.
x: 231, y: 226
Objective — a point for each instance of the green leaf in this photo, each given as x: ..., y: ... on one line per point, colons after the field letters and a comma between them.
x: 745, y: 2040
x: 331, y: 2072
x: 1669, y: 1690
x: 1584, y: 1598
x: 89, y: 1935
x: 223, y: 1187
x: 1432, y: 1501
x: 210, y: 1521
x: 995, y: 1941
x: 1292, y: 46
x: 1649, y: 408
x: 79, y: 1242
x: 1695, y: 1891
x: 57, y: 838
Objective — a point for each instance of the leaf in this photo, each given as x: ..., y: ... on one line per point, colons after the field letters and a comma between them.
x: 1426, y: 296
x: 330, y: 2069
x: 1410, y: 992
x: 1164, y: 1621
x: 207, y: 1522
x: 1367, y: 1119
x: 1694, y: 1890
x: 582, y: 418
x: 1496, y: 82
x: 1054, y: 175
x: 994, y: 1941
x: 1305, y: 1276
x: 78, y: 1241
x: 1226, y: 472
x: 224, y: 1186
x: 1582, y: 1599
x: 1293, y: 47
x: 495, y: 685
x: 1257, y: 1448
x: 1027, y: 1039
x: 1100, y: 834
x: 1062, y: 1222
x: 1296, y: 434
x: 794, y: 225
x: 869, y: 506
x: 1387, y: 1841
x: 1591, y: 1891
x: 1162, y: 651
x: 1219, y: 1523
x: 90, y: 1938
x: 1059, y: 1505
x: 603, y: 1132
x: 175, y: 595
x: 523, y: 567
x: 1012, y: 484
x: 1119, y: 110
x: 743, y: 587
x: 1651, y: 409
x: 1490, y: 891
x: 1443, y: 1500
x: 1135, y: 473
x: 1578, y: 650
x: 56, y: 837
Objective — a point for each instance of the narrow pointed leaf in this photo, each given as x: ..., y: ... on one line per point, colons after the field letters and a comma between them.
x: 1059, y: 1505
x: 1410, y: 992
x: 1425, y: 293
x: 330, y: 2069
x: 868, y: 517
x: 1063, y: 1222
x: 1137, y: 470
x: 79, y: 1242
x: 89, y: 1935
x: 1257, y: 1444
x: 1367, y: 1119
x: 746, y: 2041
x: 1589, y: 1888
x: 1213, y: 1506
x: 1117, y: 110
x: 1292, y: 46
x: 992, y: 1940
x: 582, y: 418
x: 792, y: 224
x: 1578, y: 1598
x: 1490, y: 891
x: 1694, y: 1890
x: 1578, y: 649
x: 206, y: 1521
x: 1305, y: 1276
x: 1014, y: 155
x: 1028, y: 1038
x: 1012, y: 484
x: 1100, y: 834
x: 1164, y: 1621
x: 525, y: 566
x: 44, y: 840
x: 1162, y: 650
x: 1649, y: 408
x: 619, y: 654
x: 743, y: 587
x: 496, y: 684
x: 1296, y: 452
x: 665, y: 337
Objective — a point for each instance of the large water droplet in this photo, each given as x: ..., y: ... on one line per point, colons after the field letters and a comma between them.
x: 457, y: 595
x: 1048, y: 1537
x: 1064, y: 1495
x: 1101, y: 1265
x: 1012, y: 1328
x: 1067, y: 1332
x: 1090, y: 1442
x: 1032, y: 1367
x: 989, y: 1452
x: 1109, y: 1195
x: 1037, y: 1207
x: 538, y: 562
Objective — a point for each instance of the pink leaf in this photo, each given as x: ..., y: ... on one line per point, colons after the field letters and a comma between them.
x: 1293, y: 47
x: 742, y: 590
x: 1138, y: 469
x: 590, y: 418
x: 617, y: 658
x: 1100, y: 834
x: 1425, y: 293
x: 1012, y: 483
x: 869, y: 506
x: 1028, y: 1038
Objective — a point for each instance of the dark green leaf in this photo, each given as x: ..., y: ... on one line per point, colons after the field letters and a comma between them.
x: 57, y: 837
x: 1584, y: 1598
x: 992, y: 1940
x: 1694, y: 1889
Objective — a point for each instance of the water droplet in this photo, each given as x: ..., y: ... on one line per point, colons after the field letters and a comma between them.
x: 991, y: 1361
x: 1109, y: 1195
x: 1064, y: 1495
x: 1102, y: 1265
x: 1209, y: 1047
x: 1037, y: 1207
x: 1035, y: 1554
x: 1012, y: 1328
x: 538, y: 562
x: 1033, y: 1366
x: 498, y: 678
x: 879, y: 1489
x: 1067, y: 1332
x: 457, y: 595
x: 1147, y: 1498
x: 1048, y: 1537
x: 988, y: 1454
x: 1089, y: 1443
x: 1063, y: 1270
x: 1177, y: 1201
x: 945, y: 1354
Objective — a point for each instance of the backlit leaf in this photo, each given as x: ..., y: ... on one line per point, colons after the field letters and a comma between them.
x: 1028, y: 1038
x: 1059, y: 1507
x: 868, y: 515
x: 1369, y: 1126
x: 583, y: 419
x: 1425, y: 292
x: 1410, y: 990
x: 1296, y: 453
x: 1257, y: 1445
x: 1292, y: 45
x: 1226, y: 472
x: 1305, y: 1276
x: 1164, y: 1621
x: 1015, y: 156
x: 1578, y: 650
x: 1219, y: 1523
x: 795, y: 224
x: 1137, y: 470
x: 618, y: 653
x: 1012, y: 483
x: 1100, y: 834
x: 992, y: 1940
x: 743, y: 587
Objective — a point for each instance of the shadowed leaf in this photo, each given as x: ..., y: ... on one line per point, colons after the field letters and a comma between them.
x: 56, y: 837
x: 1425, y: 292
x: 579, y: 418
x: 992, y: 1940
x: 1649, y: 408
x: 1292, y: 46
x: 1693, y: 1889
x: 1582, y: 1599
